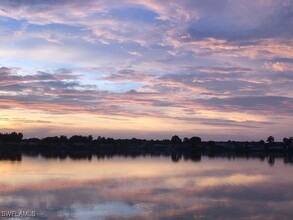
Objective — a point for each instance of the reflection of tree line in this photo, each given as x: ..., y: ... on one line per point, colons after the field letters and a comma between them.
x: 175, y: 156
x: 13, y: 146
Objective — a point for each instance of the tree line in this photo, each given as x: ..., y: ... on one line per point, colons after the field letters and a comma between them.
x: 62, y: 139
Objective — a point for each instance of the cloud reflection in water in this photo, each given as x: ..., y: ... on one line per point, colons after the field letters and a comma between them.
x: 210, y: 189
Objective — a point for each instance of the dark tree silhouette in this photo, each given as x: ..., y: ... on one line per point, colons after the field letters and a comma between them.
x: 63, y: 139
x: 270, y: 139
x: 11, y: 137
x: 185, y: 140
x: 176, y: 139
x: 51, y: 140
x: 79, y: 146
x: 80, y: 139
x: 211, y: 143
x: 288, y: 142
x: 195, y: 141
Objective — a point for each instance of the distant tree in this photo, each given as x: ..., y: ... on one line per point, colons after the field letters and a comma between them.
x: 211, y: 143
x: 101, y: 139
x: 134, y: 140
x: 11, y: 137
x: 111, y: 140
x: 165, y: 141
x: 33, y: 140
x: 270, y: 139
x: 17, y: 136
x: 287, y: 141
x: 185, y: 140
x: 195, y: 140
x: 175, y: 139
x: 51, y: 140
x: 80, y: 139
x: 63, y: 139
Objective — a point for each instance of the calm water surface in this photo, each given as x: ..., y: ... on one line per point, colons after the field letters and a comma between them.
x: 148, y: 188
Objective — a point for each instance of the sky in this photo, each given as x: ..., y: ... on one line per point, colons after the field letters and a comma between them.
x: 147, y: 68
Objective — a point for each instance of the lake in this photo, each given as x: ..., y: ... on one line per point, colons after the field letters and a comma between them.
x: 147, y: 188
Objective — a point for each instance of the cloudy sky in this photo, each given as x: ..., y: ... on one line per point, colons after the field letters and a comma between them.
x: 147, y: 68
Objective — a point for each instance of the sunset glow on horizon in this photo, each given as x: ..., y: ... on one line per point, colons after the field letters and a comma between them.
x: 147, y: 69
